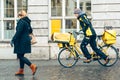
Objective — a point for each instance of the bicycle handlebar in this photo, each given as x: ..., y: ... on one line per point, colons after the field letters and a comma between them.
x: 75, y: 33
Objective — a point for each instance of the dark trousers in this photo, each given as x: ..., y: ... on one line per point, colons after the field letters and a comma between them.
x: 23, y: 60
x: 92, y: 41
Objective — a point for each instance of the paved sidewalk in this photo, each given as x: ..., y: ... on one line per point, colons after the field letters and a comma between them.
x: 51, y: 70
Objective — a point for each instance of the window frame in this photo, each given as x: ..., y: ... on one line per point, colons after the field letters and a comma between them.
x: 3, y: 18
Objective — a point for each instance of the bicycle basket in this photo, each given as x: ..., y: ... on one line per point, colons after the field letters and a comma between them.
x: 109, y: 37
x: 63, y: 38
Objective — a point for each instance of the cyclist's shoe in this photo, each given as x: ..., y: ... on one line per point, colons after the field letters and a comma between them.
x: 107, y: 60
x: 87, y: 61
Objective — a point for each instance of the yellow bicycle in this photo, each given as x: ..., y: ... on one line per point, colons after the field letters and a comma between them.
x: 70, y: 52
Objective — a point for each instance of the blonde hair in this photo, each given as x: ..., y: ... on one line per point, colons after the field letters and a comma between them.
x: 22, y: 13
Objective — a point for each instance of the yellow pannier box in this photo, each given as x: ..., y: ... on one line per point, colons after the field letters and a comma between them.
x: 109, y: 37
x: 61, y: 37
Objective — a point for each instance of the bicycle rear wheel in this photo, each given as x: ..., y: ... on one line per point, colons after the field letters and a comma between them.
x: 112, y: 53
x: 66, y: 58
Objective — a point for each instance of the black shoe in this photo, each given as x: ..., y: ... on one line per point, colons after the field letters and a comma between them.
x: 107, y: 60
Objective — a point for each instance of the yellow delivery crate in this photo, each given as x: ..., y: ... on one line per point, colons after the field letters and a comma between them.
x: 109, y: 37
x: 61, y: 37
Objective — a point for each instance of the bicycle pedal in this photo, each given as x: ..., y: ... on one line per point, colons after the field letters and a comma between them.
x: 77, y: 58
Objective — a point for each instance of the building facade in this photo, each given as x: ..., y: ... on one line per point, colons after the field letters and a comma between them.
x: 50, y: 16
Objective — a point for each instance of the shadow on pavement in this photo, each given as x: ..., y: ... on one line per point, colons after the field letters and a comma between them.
x: 23, y: 78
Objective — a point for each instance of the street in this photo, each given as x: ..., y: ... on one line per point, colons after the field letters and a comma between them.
x: 52, y: 70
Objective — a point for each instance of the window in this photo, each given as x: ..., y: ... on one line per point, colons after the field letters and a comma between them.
x: 0, y: 21
x: 21, y: 5
x: 85, y: 5
x: 70, y: 6
x: 8, y: 29
x: 0, y: 8
x: 0, y: 30
x: 70, y: 25
x: 8, y: 16
x: 56, y: 7
x: 62, y: 18
x: 8, y: 8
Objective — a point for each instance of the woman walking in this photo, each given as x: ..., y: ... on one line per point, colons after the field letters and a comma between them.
x: 22, y: 44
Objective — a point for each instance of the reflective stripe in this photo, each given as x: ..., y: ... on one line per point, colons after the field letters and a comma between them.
x: 80, y: 28
x: 86, y: 18
x: 88, y: 32
x: 80, y: 19
x: 84, y: 24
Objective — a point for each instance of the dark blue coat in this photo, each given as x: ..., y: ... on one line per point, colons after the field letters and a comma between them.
x: 21, y: 38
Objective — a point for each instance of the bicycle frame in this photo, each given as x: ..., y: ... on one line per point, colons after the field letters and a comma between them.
x: 70, y: 53
x: 76, y: 48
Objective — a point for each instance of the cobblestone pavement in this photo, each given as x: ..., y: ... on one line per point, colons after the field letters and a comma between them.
x: 51, y: 70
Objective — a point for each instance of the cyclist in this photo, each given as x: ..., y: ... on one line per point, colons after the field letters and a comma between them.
x: 89, y: 36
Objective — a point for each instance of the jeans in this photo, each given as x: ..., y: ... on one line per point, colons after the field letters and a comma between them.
x: 92, y: 41
x: 23, y: 60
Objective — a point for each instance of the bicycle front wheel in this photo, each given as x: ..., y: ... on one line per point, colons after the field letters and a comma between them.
x: 112, y: 53
x: 66, y: 58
